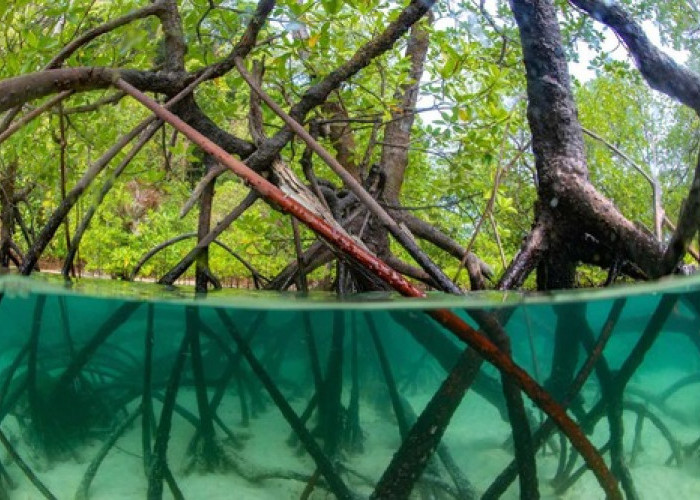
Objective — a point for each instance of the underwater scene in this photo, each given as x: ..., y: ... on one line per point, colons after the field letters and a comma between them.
x: 114, y: 390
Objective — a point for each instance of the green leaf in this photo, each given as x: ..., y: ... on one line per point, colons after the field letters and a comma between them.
x: 332, y: 6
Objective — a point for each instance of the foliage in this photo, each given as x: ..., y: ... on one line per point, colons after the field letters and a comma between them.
x: 471, y: 125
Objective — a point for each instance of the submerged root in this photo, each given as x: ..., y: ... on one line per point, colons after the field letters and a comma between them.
x: 207, y: 456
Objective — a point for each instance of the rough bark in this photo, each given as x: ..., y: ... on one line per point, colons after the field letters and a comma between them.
x: 557, y: 141
x: 7, y: 212
x: 397, y: 133
x: 660, y: 71
x: 203, y: 228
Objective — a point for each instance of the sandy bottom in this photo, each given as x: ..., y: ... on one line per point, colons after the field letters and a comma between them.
x: 475, y: 438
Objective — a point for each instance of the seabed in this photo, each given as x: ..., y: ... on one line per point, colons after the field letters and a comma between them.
x: 126, y: 391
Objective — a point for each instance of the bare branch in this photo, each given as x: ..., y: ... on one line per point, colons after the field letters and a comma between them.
x: 526, y: 260
x: 20, y: 89
x: 201, y: 185
x: 402, y: 236
x: 33, y: 114
x: 409, y: 270
x: 87, y: 108
x: 655, y: 187
x: 660, y: 71
x: 686, y: 228
x: 23, y: 88
x: 621, y: 154
x: 88, y: 36
x: 153, y: 251
x: 189, y: 259
x: 394, y: 160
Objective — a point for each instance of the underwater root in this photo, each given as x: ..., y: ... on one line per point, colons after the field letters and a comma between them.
x: 25, y: 468
x: 206, y: 456
x: 83, y: 489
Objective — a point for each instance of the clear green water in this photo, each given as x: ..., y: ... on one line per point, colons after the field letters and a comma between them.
x: 73, y: 363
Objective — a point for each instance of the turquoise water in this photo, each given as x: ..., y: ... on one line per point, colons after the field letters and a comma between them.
x: 261, y: 395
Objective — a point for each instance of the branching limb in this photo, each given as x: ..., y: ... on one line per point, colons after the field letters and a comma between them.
x: 47, y: 233
x: 660, y: 71
x: 526, y: 260
x: 318, y: 93
x: 402, y: 236
x: 686, y: 228
x: 153, y: 8
x: 87, y: 108
x: 187, y: 261
x: 33, y: 114
x: 106, y: 187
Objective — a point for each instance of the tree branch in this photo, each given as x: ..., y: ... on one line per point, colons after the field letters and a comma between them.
x: 402, y: 236
x: 189, y: 259
x: 33, y: 114
x: 152, y: 9
x: 527, y: 258
x: 84, y: 182
x: 430, y: 233
x: 659, y: 70
x: 247, y: 41
x: 394, y: 160
x: 174, y: 39
x: 318, y: 93
x: 87, y: 108
x: 686, y: 228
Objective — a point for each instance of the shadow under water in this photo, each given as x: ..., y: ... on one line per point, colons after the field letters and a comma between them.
x: 127, y: 391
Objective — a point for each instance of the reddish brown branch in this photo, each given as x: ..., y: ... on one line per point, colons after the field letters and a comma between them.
x: 84, y: 182
x: 402, y: 235
x: 347, y: 246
